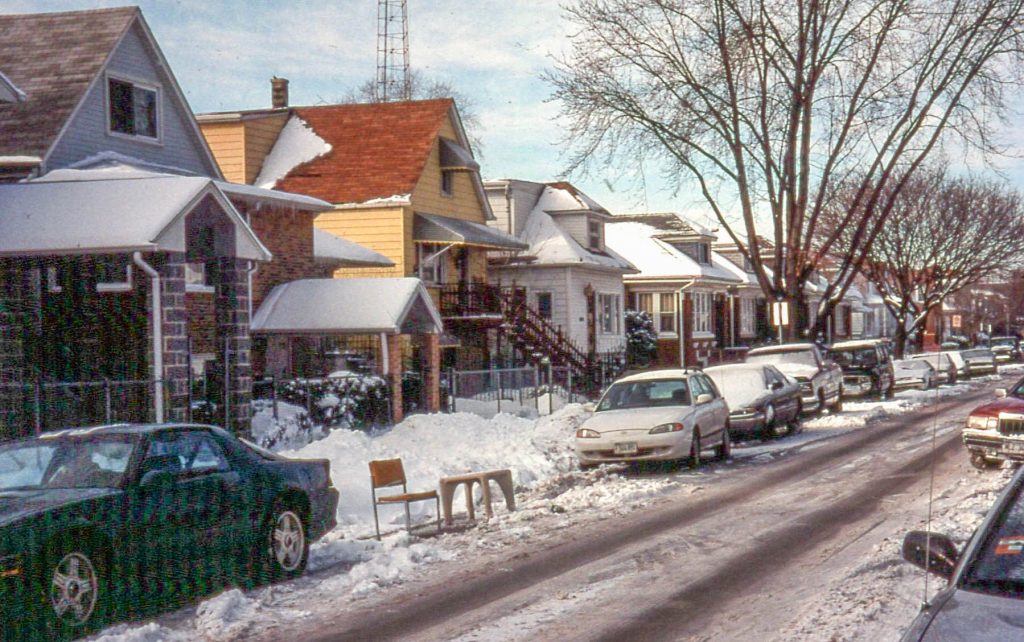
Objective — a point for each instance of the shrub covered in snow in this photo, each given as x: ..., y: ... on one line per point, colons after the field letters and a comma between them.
x: 641, y: 338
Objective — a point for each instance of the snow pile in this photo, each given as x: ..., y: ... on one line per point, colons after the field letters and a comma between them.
x: 290, y: 430
x: 296, y: 144
x: 857, y: 414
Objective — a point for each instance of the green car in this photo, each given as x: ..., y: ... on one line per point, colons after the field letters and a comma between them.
x: 94, y: 519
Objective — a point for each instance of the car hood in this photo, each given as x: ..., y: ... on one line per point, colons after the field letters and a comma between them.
x: 635, y: 418
x: 1007, y: 404
x: 977, y: 618
x: 19, y: 504
x: 797, y: 370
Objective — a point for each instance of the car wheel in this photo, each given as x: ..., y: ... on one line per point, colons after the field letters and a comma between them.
x: 821, y: 403
x: 794, y: 426
x: 838, y: 405
x: 287, y: 545
x: 724, y: 450
x: 75, y: 588
x: 695, y: 450
x: 769, y: 422
x: 979, y: 461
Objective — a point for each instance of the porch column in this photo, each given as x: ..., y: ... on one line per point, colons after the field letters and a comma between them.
x: 232, y: 314
x: 175, y: 337
x: 689, y: 352
x: 394, y: 375
x: 432, y: 372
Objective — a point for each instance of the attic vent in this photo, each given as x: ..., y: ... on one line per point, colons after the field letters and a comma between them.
x: 278, y: 92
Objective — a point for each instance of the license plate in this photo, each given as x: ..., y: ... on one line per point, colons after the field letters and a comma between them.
x: 626, y: 448
x: 1013, y: 447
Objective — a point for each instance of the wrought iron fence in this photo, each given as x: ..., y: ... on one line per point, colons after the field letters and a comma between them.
x: 524, y: 391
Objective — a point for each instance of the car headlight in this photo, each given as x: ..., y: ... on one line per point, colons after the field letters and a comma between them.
x: 663, y: 428
x: 743, y: 413
x: 587, y: 433
x: 10, y: 566
x: 980, y: 422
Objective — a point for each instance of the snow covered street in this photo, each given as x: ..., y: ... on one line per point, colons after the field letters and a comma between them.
x: 867, y: 593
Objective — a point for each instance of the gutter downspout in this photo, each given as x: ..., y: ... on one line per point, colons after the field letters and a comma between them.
x: 253, y: 266
x: 158, y: 334
x: 680, y: 303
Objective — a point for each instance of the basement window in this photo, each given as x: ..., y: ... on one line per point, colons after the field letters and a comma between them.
x: 133, y: 109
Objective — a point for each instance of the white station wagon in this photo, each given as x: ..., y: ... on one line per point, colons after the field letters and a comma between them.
x: 662, y: 415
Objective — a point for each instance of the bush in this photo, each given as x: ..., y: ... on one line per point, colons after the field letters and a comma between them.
x: 641, y: 338
x: 357, y: 402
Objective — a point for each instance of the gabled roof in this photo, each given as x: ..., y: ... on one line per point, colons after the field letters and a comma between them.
x: 563, y: 196
x: 666, y: 223
x: 53, y: 58
x: 657, y: 259
x: 378, y: 150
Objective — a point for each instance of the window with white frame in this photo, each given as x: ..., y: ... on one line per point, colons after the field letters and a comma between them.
x: 610, y: 313
x: 430, y: 263
x: 196, y: 277
x: 644, y: 302
x: 594, y: 234
x: 667, y: 312
x: 544, y: 304
x: 701, y: 312
x: 133, y: 109
x: 748, y: 316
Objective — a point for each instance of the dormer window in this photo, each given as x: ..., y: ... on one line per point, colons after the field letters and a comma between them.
x: 447, y: 177
x: 133, y: 109
x: 704, y: 253
x: 594, y: 234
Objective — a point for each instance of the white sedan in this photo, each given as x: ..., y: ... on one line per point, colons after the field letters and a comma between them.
x: 662, y: 415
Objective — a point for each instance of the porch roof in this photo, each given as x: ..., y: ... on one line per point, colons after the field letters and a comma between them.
x: 330, y: 248
x: 434, y: 228
x: 348, y: 306
x: 111, y: 216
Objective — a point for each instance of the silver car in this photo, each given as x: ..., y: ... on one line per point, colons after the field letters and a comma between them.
x: 984, y: 599
x: 662, y: 415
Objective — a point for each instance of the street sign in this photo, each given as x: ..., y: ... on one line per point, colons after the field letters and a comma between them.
x: 780, y: 313
x: 957, y: 321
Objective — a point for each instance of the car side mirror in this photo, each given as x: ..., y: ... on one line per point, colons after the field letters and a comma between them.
x: 589, y: 407
x: 932, y: 552
x: 1000, y: 392
x: 157, y: 479
x: 704, y: 398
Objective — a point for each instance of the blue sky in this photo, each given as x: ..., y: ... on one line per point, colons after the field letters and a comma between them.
x: 224, y: 53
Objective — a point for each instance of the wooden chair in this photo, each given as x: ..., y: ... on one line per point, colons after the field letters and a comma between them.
x: 385, y: 473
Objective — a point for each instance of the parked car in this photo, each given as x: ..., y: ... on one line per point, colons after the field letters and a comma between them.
x: 1006, y: 349
x: 942, y: 362
x: 958, y: 360
x: 93, y: 519
x: 867, y: 367
x: 995, y: 430
x: 914, y: 373
x: 821, y: 380
x: 762, y: 401
x: 662, y: 415
x: 979, y: 361
x: 983, y: 596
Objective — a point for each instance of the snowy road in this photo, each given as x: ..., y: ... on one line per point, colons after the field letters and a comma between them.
x: 734, y: 556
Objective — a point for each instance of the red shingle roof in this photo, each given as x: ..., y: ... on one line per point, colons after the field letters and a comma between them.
x: 52, y: 57
x: 377, y: 150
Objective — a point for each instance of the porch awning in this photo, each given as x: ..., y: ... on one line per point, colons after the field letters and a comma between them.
x: 433, y: 228
x: 348, y: 306
x: 456, y: 157
x: 330, y: 248
x: 114, y: 216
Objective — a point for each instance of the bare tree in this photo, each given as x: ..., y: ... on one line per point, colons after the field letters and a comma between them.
x: 426, y: 88
x: 944, y: 234
x: 767, y: 106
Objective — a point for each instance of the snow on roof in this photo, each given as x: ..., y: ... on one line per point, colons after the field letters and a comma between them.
x: 551, y: 245
x: 654, y: 258
x: 112, y: 165
x: 348, y: 306
x: 565, y: 197
x: 746, y: 277
x: 296, y: 144
x: 332, y: 247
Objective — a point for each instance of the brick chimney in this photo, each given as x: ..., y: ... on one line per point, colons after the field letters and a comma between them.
x: 278, y: 92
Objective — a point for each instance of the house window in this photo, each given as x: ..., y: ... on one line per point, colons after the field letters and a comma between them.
x: 113, y: 276
x: 197, y: 278
x: 645, y: 302
x: 704, y: 253
x: 667, y: 312
x: 594, y: 234
x: 609, y: 307
x: 748, y: 317
x: 53, y: 280
x: 701, y: 312
x: 544, y: 304
x: 447, y: 178
x: 430, y: 263
x: 133, y: 109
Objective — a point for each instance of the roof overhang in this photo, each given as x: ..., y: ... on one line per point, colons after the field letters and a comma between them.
x: 348, y: 306
x: 9, y: 92
x: 331, y: 248
x: 433, y: 228
x: 455, y: 157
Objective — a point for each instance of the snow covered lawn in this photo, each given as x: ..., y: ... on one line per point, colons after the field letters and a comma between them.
x: 539, y: 452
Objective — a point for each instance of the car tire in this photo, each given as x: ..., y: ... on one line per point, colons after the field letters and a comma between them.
x: 694, y: 460
x: 285, y: 542
x: 74, y: 588
x: 981, y: 462
x: 724, y: 450
x: 838, y: 405
x: 795, y: 426
x: 821, y: 403
x: 769, y: 422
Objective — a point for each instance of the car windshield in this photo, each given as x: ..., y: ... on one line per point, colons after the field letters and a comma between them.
x: 910, y: 364
x: 645, y: 394
x: 802, y: 356
x: 66, y: 461
x: 856, y: 357
x: 739, y: 386
x: 977, y: 354
x: 1009, y: 342
x: 999, y: 567
x: 937, y: 360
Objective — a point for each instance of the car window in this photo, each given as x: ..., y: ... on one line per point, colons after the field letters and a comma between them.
x: 771, y: 378
x: 706, y: 386
x: 859, y: 357
x: 185, y: 452
x: 66, y: 462
x: 799, y: 356
x: 999, y: 567
x: 644, y: 394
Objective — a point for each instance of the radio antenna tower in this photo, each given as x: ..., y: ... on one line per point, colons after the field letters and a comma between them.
x: 393, y: 82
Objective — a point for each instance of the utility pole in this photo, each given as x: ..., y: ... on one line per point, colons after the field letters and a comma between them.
x: 393, y: 80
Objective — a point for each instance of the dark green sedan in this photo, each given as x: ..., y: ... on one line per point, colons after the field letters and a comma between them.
x: 94, y: 519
